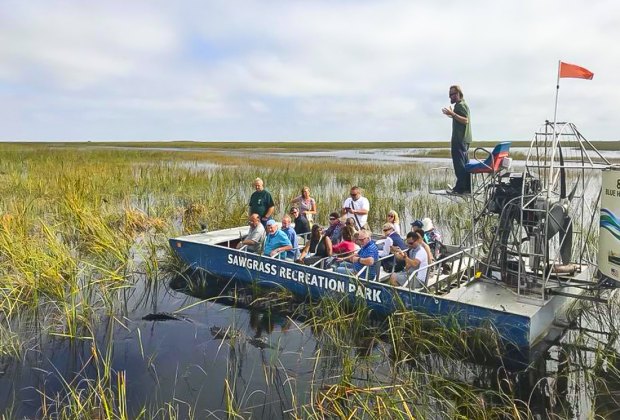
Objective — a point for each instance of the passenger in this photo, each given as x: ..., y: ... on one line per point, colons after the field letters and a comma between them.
x: 302, y: 225
x: 256, y: 235
x: 276, y: 241
x: 356, y: 236
x: 261, y: 202
x: 351, y: 223
x: 392, y: 217
x: 334, y: 231
x: 416, y: 223
x: 365, y: 257
x: 346, y: 247
x: 318, y: 247
x: 292, y: 236
x: 432, y: 237
x: 306, y: 204
x: 427, y: 248
x: 415, y: 258
x: 392, y: 244
x: 356, y: 206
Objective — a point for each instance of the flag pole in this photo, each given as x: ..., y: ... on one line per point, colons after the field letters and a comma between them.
x: 557, y: 93
x: 554, y: 141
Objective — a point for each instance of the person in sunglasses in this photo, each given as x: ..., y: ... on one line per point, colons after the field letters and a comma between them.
x: 367, y: 255
x: 415, y: 258
x: 334, y: 231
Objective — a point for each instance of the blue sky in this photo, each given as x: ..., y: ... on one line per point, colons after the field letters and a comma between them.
x: 301, y: 70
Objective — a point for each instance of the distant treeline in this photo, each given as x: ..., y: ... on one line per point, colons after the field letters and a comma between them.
x: 302, y: 145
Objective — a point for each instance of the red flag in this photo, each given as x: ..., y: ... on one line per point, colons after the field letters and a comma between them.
x: 571, y: 70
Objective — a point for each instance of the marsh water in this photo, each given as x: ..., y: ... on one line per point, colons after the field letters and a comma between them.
x: 207, y: 347
x: 208, y: 352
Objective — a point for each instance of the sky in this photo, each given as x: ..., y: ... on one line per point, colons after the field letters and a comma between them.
x: 337, y: 70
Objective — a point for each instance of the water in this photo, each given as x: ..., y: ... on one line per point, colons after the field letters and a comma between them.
x: 268, y: 368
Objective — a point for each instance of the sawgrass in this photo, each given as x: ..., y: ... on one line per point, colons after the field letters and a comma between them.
x: 79, y: 225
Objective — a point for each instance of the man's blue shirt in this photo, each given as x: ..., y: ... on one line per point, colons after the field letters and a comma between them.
x: 277, y: 240
x: 368, y: 250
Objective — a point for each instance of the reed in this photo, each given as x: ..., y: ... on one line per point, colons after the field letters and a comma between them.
x: 80, y: 226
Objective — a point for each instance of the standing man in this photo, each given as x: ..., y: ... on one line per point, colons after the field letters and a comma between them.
x: 261, y: 202
x: 461, y: 139
x: 356, y: 207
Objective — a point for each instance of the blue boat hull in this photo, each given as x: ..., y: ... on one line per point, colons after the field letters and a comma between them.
x: 382, y: 299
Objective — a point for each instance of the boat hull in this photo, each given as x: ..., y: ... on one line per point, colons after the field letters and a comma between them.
x: 381, y: 299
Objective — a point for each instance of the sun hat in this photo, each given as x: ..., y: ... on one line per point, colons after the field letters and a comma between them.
x: 427, y: 224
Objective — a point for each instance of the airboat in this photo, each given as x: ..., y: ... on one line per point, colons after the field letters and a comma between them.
x: 531, y: 251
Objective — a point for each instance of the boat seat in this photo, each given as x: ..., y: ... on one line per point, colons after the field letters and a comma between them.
x: 492, y: 162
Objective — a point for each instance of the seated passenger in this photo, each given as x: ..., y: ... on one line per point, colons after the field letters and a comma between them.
x: 292, y: 236
x: 392, y: 217
x: 365, y: 257
x: 392, y: 244
x: 318, y: 247
x: 254, y: 239
x: 276, y: 241
x: 351, y: 222
x: 427, y: 248
x: 334, y: 231
x: 302, y: 225
x: 415, y: 258
x: 346, y: 247
x: 432, y: 237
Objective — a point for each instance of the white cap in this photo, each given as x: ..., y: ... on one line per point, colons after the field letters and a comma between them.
x: 427, y: 224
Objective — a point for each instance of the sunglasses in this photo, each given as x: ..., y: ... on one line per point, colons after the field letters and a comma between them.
x: 332, y: 218
x: 410, y: 243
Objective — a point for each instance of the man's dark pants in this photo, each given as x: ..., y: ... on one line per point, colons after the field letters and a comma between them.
x: 459, y: 160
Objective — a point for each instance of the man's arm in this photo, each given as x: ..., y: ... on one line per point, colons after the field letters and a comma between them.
x: 411, y: 262
x: 345, y: 207
x: 365, y: 205
x: 365, y: 260
x: 450, y: 113
x: 281, y: 249
x: 269, y: 212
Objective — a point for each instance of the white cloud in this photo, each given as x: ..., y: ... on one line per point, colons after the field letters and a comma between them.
x: 311, y: 70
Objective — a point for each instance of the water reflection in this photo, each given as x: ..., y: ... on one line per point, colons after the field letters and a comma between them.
x: 274, y: 361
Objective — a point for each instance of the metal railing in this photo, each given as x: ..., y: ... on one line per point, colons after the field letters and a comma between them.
x: 457, y: 264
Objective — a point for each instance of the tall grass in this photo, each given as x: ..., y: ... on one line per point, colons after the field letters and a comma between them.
x: 78, y: 224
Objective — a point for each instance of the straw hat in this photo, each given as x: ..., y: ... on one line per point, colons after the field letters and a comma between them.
x: 427, y: 224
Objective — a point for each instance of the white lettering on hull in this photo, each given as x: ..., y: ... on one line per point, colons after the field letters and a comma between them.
x: 310, y: 279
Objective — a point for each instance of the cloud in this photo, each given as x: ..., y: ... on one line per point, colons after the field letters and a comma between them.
x: 271, y: 70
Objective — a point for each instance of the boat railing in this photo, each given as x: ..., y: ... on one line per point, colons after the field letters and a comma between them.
x: 363, y: 273
x: 443, y: 274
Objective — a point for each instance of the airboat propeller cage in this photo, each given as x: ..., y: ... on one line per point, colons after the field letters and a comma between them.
x: 609, y: 239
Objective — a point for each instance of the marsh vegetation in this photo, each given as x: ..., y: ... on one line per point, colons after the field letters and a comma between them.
x: 84, y: 256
